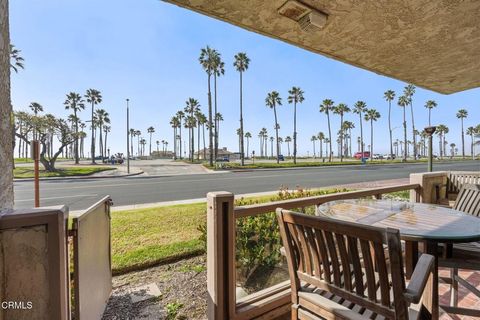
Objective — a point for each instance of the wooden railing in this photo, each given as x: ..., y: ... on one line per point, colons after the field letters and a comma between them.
x: 221, y: 245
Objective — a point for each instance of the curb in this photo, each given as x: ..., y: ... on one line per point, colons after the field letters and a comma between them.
x: 80, y: 177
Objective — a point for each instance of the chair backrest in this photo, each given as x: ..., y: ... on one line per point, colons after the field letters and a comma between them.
x: 468, y: 199
x: 345, y: 259
x: 456, y: 180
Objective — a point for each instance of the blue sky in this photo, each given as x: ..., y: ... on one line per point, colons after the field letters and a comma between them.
x: 148, y: 51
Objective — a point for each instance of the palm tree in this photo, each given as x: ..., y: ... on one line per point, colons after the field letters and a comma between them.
x: 430, y: 104
x: 325, y: 107
x: 36, y: 108
x: 248, y: 135
x: 403, y: 102
x: 462, y: 114
x: 288, y: 139
x: 16, y: 60
x: 94, y: 97
x: 202, y: 121
x: 371, y: 115
x: 348, y: 126
x: 441, y: 131
x: 142, y: 142
x: 471, y: 132
x: 191, y: 108
x: 272, y: 100
x: 341, y: 109
x: 158, y: 144
x: 218, y: 118
x: 358, y: 108
x: 389, y: 95
x: 313, y: 139
x: 208, y: 59
x: 321, y: 139
x: 295, y: 96
x: 241, y: 65
x: 102, y: 117
x: 408, y: 92
x: 106, y: 130
x: 174, y: 123
x: 150, y: 131
x: 219, y: 70
x: 82, y: 136
x: 271, y: 147
x: 75, y: 103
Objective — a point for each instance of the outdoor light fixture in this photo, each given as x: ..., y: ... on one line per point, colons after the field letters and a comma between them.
x: 430, y: 131
x: 307, y: 17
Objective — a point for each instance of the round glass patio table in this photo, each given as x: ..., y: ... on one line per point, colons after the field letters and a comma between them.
x: 417, y: 222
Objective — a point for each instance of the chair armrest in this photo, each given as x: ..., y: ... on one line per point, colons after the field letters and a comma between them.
x: 419, y: 279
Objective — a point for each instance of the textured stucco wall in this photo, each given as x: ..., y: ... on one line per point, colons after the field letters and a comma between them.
x: 6, y: 152
x: 433, y: 44
x: 24, y: 267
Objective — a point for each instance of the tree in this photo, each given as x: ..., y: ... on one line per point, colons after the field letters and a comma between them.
x: 241, y: 65
x: 313, y: 139
x: 321, y: 139
x: 288, y: 139
x: 219, y: 70
x: 191, y: 108
x: 325, y: 107
x: 430, y: 104
x: 158, y: 144
x: 106, y: 130
x: 138, y: 133
x: 389, y: 95
x: 101, y: 118
x: 403, y: 102
x: 271, y: 147
x: 371, y: 115
x: 295, y: 96
x: 36, y: 108
x: 82, y: 136
x: 218, y: 118
x: 94, y: 97
x: 441, y: 131
x: 180, y: 115
x: 341, y: 109
x: 462, y: 114
x: 150, y: 131
x: 174, y: 123
x: 75, y: 103
x: 408, y: 92
x: 358, y: 108
x: 471, y: 132
x: 248, y: 135
x: 348, y: 126
x: 16, y: 60
x: 132, y: 135
x: 273, y: 99
x: 201, y: 121
x: 208, y: 59
x: 263, y: 135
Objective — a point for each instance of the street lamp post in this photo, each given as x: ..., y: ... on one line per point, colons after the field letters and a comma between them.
x: 128, y: 139
x: 430, y: 131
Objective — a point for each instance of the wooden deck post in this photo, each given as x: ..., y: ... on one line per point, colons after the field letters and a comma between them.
x: 220, y: 255
x: 427, y: 181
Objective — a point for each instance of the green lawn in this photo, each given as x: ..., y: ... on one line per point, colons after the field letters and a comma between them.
x: 27, y: 172
x: 146, y: 237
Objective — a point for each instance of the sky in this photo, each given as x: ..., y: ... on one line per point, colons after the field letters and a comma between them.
x: 148, y: 51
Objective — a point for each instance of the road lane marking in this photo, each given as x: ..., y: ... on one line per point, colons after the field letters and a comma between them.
x: 53, y: 198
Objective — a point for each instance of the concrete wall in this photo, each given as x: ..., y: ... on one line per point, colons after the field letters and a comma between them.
x: 428, y: 181
x: 6, y: 150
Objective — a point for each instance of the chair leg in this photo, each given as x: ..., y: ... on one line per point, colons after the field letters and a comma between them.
x: 294, y: 311
x: 454, y: 287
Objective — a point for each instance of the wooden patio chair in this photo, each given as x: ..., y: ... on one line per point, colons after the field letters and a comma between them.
x: 339, y: 270
x: 463, y: 255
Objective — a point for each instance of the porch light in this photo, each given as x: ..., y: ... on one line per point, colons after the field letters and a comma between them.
x: 308, y: 18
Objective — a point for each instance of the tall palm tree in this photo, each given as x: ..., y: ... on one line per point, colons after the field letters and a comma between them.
x: 471, y: 132
x: 313, y: 139
x: 241, y: 65
x: 288, y: 139
x: 371, y: 115
x: 174, y: 123
x: 321, y: 139
x: 341, y: 109
x: 106, y: 130
x: 403, y: 102
x: 208, y: 59
x: 462, y: 114
x: 359, y: 107
x: 409, y: 91
x: 271, y: 147
x: 295, y: 96
x: 158, y: 144
x: 441, y: 131
x: 180, y: 115
x: 219, y: 70
x: 102, y: 117
x: 325, y: 107
x: 430, y: 104
x: 75, y: 103
x: 348, y: 126
x: 82, y: 136
x: 389, y: 95
x: 272, y: 101
x: 202, y: 121
x: 192, y: 107
x: 138, y: 133
x: 150, y: 131
x: 248, y: 135
x: 16, y: 60
x: 94, y: 97
x: 218, y: 119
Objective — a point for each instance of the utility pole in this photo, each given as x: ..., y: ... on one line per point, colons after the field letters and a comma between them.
x: 128, y: 139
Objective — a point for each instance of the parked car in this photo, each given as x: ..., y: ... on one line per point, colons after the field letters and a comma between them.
x: 377, y: 156
x: 281, y: 157
x: 358, y: 155
x: 390, y: 156
x: 222, y: 159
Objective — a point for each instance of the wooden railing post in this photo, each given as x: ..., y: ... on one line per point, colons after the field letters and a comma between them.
x: 220, y: 255
x: 428, y: 181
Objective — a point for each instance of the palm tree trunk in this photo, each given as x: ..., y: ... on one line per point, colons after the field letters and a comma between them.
x: 390, y: 127
x: 150, y: 145
x: 313, y: 141
x: 105, y: 148
x: 77, y: 160
x: 429, y: 117
x: 371, y: 139
x: 242, y: 153
x: 463, y: 142
x: 276, y: 131
x: 294, y: 133
x: 181, y: 156
x: 204, y: 145
x: 248, y: 146
x: 321, y: 148
x: 210, y: 122
x: 341, y: 137
x: 102, y: 152
x: 413, y: 132
x: 92, y: 146
x: 404, y: 136
x: 329, y: 137
x: 198, y: 141
x: 361, y: 135
x: 215, y: 115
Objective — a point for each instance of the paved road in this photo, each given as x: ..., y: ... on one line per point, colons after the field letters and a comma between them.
x: 79, y: 194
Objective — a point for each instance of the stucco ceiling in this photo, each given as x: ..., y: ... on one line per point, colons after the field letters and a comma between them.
x: 434, y: 44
